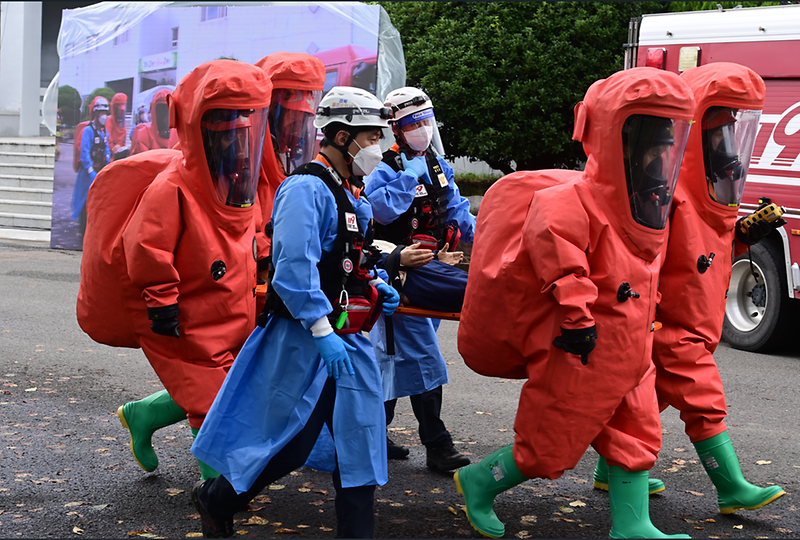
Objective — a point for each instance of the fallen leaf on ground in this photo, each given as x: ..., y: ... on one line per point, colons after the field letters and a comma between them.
x: 528, y: 519
x: 262, y: 499
x: 578, y: 504
x: 256, y: 520
x: 523, y: 534
x: 79, y: 503
x: 286, y: 531
x: 303, y: 490
x: 782, y: 530
x: 566, y: 509
x: 481, y: 412
x: 679, y: 449
x: 452, y: 510
x: 738, y: 526
x: 763, y: 462
x: 194, y: 535
x: 77, y: 530
x: 326, y: 529
x: 697, y: 493
x: 174, y: 491
x: 276, y: 486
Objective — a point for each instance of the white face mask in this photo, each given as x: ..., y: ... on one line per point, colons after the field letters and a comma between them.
x: 102, y: 119
x: 365, y: 161
x: 420, y: 138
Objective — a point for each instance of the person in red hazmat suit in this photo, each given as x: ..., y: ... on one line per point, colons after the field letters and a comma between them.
x: 307, y: 364
x: 297, y: 81
x: 190, y: 248
x: 156, y: 133
x: 590, y: 377
x: 697, y: 268
x: 115, y: 125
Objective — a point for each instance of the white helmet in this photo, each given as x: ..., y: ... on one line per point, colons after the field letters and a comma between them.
x: 407, y: 100
x: 353, y: 107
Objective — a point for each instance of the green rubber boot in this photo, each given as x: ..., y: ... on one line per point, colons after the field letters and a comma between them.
x: 480, y: 483
x: 142, y: 418
x: 733, y: 491
x: 601, y: 478
x: 630, y: 507
x: 206, y: 471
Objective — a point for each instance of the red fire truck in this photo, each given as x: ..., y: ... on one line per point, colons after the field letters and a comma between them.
x: 763, y: 310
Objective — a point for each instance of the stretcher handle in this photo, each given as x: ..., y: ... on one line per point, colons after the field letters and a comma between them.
x: 412, y: 311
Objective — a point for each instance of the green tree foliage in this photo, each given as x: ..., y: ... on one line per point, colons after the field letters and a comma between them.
x: 504, y: 77
x: 69, y: 101
x: 105, y: 91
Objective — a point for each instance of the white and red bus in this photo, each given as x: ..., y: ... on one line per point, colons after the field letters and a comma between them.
x: 763, y: 305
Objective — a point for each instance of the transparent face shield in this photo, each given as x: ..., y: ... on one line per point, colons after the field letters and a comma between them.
x: 291, y: 126
x: 420, y: 132
x: 653, y: 148
x: 162, y: 120
x: 729, y: 136
x: 119, y: 113
x: 233, y: 141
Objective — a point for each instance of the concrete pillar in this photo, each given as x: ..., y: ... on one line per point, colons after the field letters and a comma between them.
x: 20, y: 64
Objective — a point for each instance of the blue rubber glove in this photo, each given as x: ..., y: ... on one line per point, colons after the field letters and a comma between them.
x: 333, y: 350
x: 418, y: 166
x: 391, y: 298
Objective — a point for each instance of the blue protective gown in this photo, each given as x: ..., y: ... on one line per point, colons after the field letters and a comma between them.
x: 278, y: 376
x: 85, y: 174
x: 418, y: 365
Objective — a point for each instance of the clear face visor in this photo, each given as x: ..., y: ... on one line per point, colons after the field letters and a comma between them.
x: 291, y: 126
x: 653, y: 148
x: 119, y: 112
x: 233, y: 141
x: 420, y: 131
x: 729, y: 136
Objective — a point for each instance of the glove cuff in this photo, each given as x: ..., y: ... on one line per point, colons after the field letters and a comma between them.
x: 163, y: 312
x: 580, y: 335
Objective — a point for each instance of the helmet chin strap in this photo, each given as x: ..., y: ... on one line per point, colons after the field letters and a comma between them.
x: 348, y: 159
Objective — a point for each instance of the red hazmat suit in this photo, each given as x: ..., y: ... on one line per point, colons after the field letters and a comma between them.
x: 145, y: 136
x: 116, y: 133
x: 692, y: 305
x: 180, y: 230
x: 562, y: 268
x: 286, y: 71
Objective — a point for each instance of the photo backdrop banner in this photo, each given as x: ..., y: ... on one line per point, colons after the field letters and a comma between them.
x: 135, y: 52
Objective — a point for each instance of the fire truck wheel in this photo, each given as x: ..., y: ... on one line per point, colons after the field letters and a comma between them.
x: 758, y: 309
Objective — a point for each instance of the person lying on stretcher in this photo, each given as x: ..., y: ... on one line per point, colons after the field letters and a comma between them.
x: 424, y: 278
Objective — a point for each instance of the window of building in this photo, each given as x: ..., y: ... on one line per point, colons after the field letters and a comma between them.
x: 119, y: 39
x: 174, y: 37
x: 208, y: 13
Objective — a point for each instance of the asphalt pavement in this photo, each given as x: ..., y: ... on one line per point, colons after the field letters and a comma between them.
x: 66, y: 469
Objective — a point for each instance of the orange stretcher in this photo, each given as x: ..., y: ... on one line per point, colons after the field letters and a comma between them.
x: 411, y: 311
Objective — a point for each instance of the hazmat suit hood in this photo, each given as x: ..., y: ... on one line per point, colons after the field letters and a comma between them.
x: 219, y: 84
x: 287, y: 71
x: 721, y: 84
x: 116, y: 132
x: 159, y: 98
x: 599, y: 121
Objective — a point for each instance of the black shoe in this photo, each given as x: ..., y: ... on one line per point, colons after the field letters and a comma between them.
x: 394, y: 451
x: 446, y: 458
x: 211, y: 526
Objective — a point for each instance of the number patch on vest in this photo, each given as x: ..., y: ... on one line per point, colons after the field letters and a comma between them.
x: 442, y: 180
x: 421, y: 191
x: 351, y: 221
